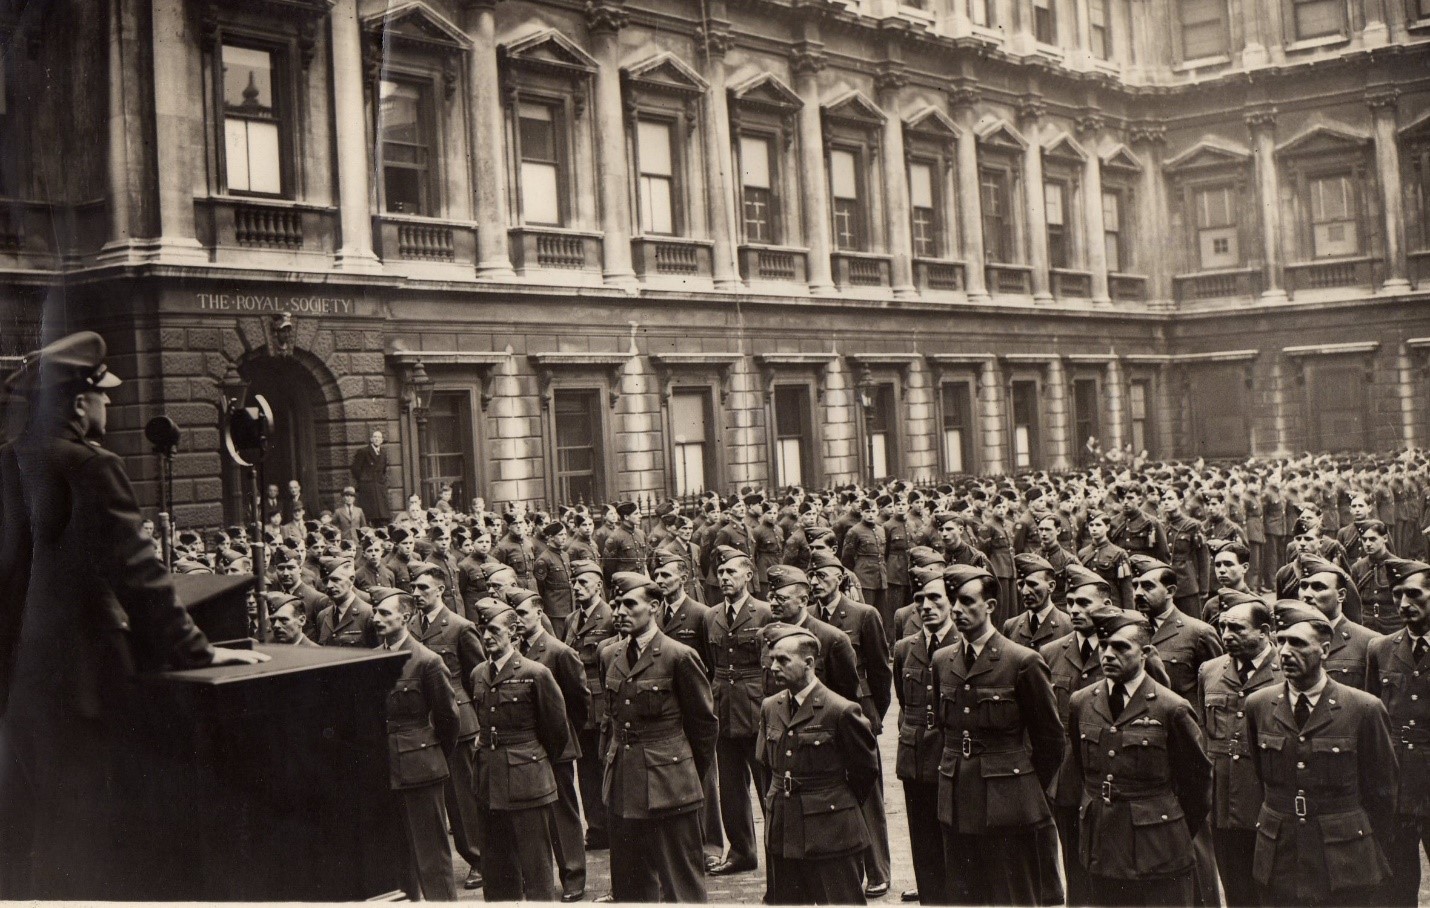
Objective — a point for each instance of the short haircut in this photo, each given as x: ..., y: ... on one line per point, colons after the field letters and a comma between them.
x: 987, y: 587
x: 1164, y: 576
x: 1378, y: 526
x: 807, y: 646
x: 1242, y: 553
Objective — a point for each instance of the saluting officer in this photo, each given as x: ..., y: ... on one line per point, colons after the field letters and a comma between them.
x: 1002, y: 744
x: 1398, y: 672
x: 733, y: 628
x: 523, y: 732
x: 1223, y: 684
x: 1137, y: 751
x: 589, y: 626
x: 1323, y: 753
x: 1040, y: 621
x: 920, y: 742
x: 565, y: 666
x: 456, y: 641
x: 422, y: 729
x: 1325, y: 585
x: 822, y: 761
x: 663, y: 730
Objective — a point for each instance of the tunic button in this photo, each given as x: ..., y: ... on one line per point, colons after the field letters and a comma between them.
x: 1016, y: 770
x: 1240, y: 714
x: 965, y: 709
x: 628, y: 725
x: 789, y: 753
x: 1113, y: 729
x: 929, y: 687
x: 968, y: 687
x: 1300, y: 765
x: 1335, y: 750
x: 1415, y: 696
x: 1164, y: 816
x: 628, y: 703
x: 1302, y: 738
x: 1109, y: 777
x: 1112, y: 753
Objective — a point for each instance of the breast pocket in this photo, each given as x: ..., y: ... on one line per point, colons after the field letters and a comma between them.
x: 1220, y: 715
x: 1272, y: 761
x: 814, y: 752
x: 1146, y: 746
x: 514, y: 703
x: 1333, y: 760
x: 655, y: 697
x: 916, y: 693
x: 997, y: 708
x: 1090, y: 740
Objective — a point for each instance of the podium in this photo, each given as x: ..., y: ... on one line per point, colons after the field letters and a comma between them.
x: 270, y: 782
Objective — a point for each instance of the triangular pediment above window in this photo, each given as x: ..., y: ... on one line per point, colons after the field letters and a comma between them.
x: 856, y: 108
x: 1323, y: 139
x: 665, y: 72
x: 1209, y: 154
x: 1064, y: 147
x: 996, y: 133
x: 765, y: 90
x: 1121, y: 158
x: 932, y: 123
x: 416, y: 24
x: 548, y: 50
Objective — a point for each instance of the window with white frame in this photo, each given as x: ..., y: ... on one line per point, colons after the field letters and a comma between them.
x: 543, y: 166
x: 983, y: 12
x: 1203, y: 26
x: 1100, y: 28
x: 1138, y: 392
x: 757, y: 180
x: 846, y: 189
x: 404, y: 125
x: 995, y: 196
x: 923, y: 200
x: 794, y: 438
x: 1045, y: 22
x: 1333, y: 216
x: 253, y: 121
x: 690, y: 437
x: 1112, y: 236
x: 1217, y: 229
x: 958, y: 433
x: 1311, y: 19
x: 1055, y: 205
x: 655, y: 154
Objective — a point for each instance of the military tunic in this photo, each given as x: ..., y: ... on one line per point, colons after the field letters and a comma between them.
x: 586, y: 630
x: 1111, y: 563
x: 916, y: 763
x: 1402, y: 683
x: 518, y: 555
x: 552, y: 572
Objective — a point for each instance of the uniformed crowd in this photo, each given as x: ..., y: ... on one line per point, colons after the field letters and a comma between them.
x: 1175, y: 683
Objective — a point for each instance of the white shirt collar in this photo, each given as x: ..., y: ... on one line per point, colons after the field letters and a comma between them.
x: 1314, y: 694
x: 803, y: 695
x: 1045, y: 611
x: 942, y: 632
x: 398, y: 643
x: 739, y: 604
x: 1260, y: 660
x: 500, y: 664
x: 1085, y: 638
x: 1131, y: 687
x: 644, y: 639
x: 981, y: 641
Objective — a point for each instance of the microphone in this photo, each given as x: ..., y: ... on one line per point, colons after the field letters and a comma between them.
x: 163, y: 434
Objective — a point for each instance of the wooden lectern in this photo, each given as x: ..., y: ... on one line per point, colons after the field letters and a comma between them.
x: 269, y: 782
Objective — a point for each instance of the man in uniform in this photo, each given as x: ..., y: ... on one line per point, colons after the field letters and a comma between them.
x: 863, y: 553
x: 625, y: 548
x: 1134, y: 530
x: 898, y: 539
x: 565, y: 666
x: 998, y: 546
x: 455, y: 640
x: 1328, y: 587
x: 1137, y: 751
x: 663, y: 731
x: 422, y: 729
x: 471, y: 578
x: 1398, y: 672
x: 1051, y: 550
x: 1223, y: 684
x: 733, y: 629
x: 822, y: 761
x: 553, y: 576
x: 1220, y: 527
x: 1349, y: 536
x: 1231, y: 563
x: 288, y: 574
x: 922, y: 561
x: 955, y: 547
x: 590, y: 625
x: 515, y: 549
x: 865, y: 630
x: 1182, y: 641
x: 1040, y: 621
x: 348, y: 517
x: 768, y: 545
x: 372, y: 572
x: 347, y: 620
x: 442, y: 557
x: 1372, y: 579
x: 836, y: 664
x: 1323, y: 752
x: 1191, y: 558
x: 1002, y: 744
x: 920, y: 743
x: 523, y: 732
x: 1107, y: 559
x: 403, y: 556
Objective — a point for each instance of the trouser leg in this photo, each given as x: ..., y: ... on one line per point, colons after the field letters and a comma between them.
x: 1254, y: 569
x: 895, y: 598
x: 876, y: 860
x: 1204, y: 872
x: 589, y: 771
x: 427, y: 842
x: 1174, y: 892
x: 925, y: 841
x: 461, y: 798
x: 734, y: 758
x: 1234, y: 851
x: 566, y: 837
x: 710, y: 812
x: 1066, y: 819
x: 674, y: 853
x: 1404, y: 857
x: 532, y: 832
x: 633, y: 878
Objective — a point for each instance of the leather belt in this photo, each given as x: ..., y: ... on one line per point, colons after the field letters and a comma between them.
x: 969, y: 746
x: 495, y: 737
x: 1304, y: 805
x: 790, y: 783
x: 646, y: 734
x: 1110, y: 792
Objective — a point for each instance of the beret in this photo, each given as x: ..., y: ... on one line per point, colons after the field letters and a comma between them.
x: 1076, y: 575
x: 551, y: 529
x: 1290, y: 612
x: 778, y: 630
x: 1402, y: 569
x: 884, y: 501
x: 780, y: 576
x: 956, y: 575
x: 488, y: 610
x: 1142, y: 564
x: 819, y: 561
x: 923, y: 556
x: 1028, y: 563
x: 1110, y: 621
x: 382, y: 593
x: 584, y: 566
x: 753, y: 499
x: 624, y: 582
x: 627, y: 508
x: 398, y: 534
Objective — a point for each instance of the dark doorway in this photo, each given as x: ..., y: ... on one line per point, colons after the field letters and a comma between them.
x: 1218, y: 400
x: 293, y: 395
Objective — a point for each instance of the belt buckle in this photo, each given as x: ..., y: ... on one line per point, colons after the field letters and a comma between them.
x: 1300, y: 804
x: 492, y: 738
x: 1107, y: 792
x: 967, y: 746
x: 787, y: 784
x: 930, y: 721
x: 1405, y: 737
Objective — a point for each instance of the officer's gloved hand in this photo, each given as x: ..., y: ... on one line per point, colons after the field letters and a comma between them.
x: 225, y: 656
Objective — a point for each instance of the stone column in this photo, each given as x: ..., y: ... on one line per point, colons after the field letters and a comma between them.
x: 1059, y: 419
x: 351, y: 139
x: 991, y: 421
x: 1278, y: 408
x: 174, y: 135
x: 720, y: 172
x: 1254, y: 53
x: 1030, y: 110
x: 963, y: 100
x: 896, y: 184
x: 1083, y: 50
x: 1149, y: 137
x: 1376, y: 32
x: 1262, y: 122
x: 807, y: 60
x: 1387, y: 163
x: 488, y: 149
x: 117, y: 169
x: 1116, y: 416
x: 1089, y: 126
x: 605, y: 21
x: 1405, y: 373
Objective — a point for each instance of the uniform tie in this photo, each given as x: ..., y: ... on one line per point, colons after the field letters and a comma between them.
x: 1244, y: 668
x: 426, y: 623
x: 969, y: 655
x: 1302, y: 711
x: 1086, y: 652
x: 932, y: 643
x: 1032, y: 624
x: 1118, y: 700
x: 525, y: 646
x: 633, y: 651
x: 730, y: 613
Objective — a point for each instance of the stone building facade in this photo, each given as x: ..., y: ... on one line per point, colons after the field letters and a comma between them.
x: 568, y: 250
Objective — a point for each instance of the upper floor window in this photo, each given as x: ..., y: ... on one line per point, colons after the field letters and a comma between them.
x: 1420, y: 9
x: 846, y: 189
x: 1203, y: 26
x: 1317, y: 19
x: 1333, y: 216
x: 1113, y: 237
x: 1045, y: 22
x: 1217, y: 227
x: 923, y: 199
x: 982, y: 12
x: 1099, y: 29
x: 1418, y: 220
x: 1055, y: 204
x: 404, y: 123
x: 541, y: 141
x: 996, y: 199
x: 655, y: 155
x: 757, y: 181
x: 254, y: 130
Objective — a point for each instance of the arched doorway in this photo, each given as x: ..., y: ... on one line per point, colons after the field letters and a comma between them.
x: 296, y: 400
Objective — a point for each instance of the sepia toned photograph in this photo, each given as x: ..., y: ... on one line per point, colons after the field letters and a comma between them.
x: 787, y: 452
